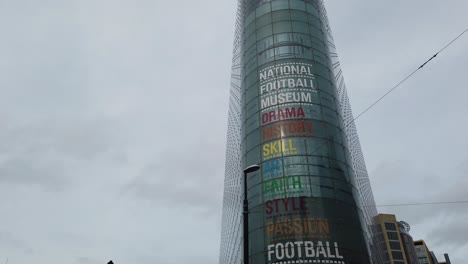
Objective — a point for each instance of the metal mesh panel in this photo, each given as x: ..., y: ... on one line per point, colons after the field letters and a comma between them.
x: 231, y: 237
x: 230, y: 251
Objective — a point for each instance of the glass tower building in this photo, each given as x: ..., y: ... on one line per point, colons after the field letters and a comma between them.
x: 311, y: 201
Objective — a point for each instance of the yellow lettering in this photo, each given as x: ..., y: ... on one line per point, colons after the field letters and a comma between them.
x: 283, y: 146
x: 266, y: 150
x: 270, y: 228
x: 323, y: 226
x: 278, y: 228
x: 291, y: 147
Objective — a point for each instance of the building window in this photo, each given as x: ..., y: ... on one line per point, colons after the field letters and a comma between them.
x: 397, y: 255
x: 395, y: 245
x: 390, y: 226
x: 392, y: 235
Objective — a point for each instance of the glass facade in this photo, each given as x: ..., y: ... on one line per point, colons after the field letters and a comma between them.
x: 311, y: 202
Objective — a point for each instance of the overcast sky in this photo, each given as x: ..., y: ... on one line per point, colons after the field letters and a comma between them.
x: 113, y: 118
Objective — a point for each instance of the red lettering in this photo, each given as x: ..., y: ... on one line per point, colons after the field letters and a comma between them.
x: 302, y: 202
x: 286, y: 203
x: 277, y: 131
x: 287, y: 129
x: 265, y: 118
x: 269, y: 209
x: 267, y: 133
x: 272, y: 116
x: 300, y: 112
x: 276, y: 206
x: 291, y: 112
x: 301, y: 127
x: 294, y: 205
x: 281, y: 114
x: 309, y: 127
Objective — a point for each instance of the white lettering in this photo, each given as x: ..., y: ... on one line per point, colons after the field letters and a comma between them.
x: 337, y: 252
x: 289, y: 250
x: 321, y: 250
x: 271, y: 251
x: 309, y: 249
x: 330, y: 255
x: 285, y: 84
x: 288, y: 69
x: 299, y: 245
x: 279, y: 252
x: 286, y: 97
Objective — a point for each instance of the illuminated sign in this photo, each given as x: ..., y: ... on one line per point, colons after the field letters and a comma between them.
x: 304, y: 213
x: 305, y: 249
x: 287, y: 129
x: 283, y: 187
x: 282, y: 114
x: 299, y: 227
x: 278, y: 148
x: 286, y: 70
x: 286, y: 207
x: 285, y: 84
x: 272, y: 169
x: 286, y: 97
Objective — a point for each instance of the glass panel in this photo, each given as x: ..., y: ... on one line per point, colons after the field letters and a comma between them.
x: 265, y: 44
x: 392, y: 236
x: 281, y: 15
x: 299, y: 16
x: 390, y: 226
x: 250, y: 18
x: 297, y: 4
x: 263, y: 9
x: 300, y: 27
x: 284, y: 38
x: 263, y: 20
x: 313, y: 10
x: 282, y: 27
x: 264, y: 32
x: 249, y: 29
x: 266, y: 56
x: 279, y: 4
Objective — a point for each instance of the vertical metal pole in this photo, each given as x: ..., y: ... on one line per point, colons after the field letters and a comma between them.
x: 447, y: 259
x: 245, y: 216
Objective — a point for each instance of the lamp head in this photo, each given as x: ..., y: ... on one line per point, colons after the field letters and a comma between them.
x: 252, y: 168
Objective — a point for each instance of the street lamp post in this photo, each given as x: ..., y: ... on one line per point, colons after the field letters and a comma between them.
x: 245, y: 212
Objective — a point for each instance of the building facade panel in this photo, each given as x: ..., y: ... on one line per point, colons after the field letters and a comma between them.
x: 289, y: 113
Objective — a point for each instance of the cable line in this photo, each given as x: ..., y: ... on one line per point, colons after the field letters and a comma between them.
x: 413, y: 204
x: 396, y: 86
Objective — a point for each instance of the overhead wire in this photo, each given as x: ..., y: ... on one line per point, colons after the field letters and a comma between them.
x: 415, y: 204
x: 386, y: 94
x: 395, y: 87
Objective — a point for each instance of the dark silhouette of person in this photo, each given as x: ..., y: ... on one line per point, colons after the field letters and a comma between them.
x: 110, y: 262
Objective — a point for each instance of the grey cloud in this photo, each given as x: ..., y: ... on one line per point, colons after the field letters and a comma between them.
x: 452, y: 231
x: 49, y: 174
x: 181, y: 180
x: 86, y: 260
x: 400, y: 183
x: 78, y: 139
x: 8, y: 240
x: 442, y: 226
x: 123, y: 104
x: 48, y: 153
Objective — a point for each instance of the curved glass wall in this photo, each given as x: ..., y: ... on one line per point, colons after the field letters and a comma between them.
x: 290, y: 114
